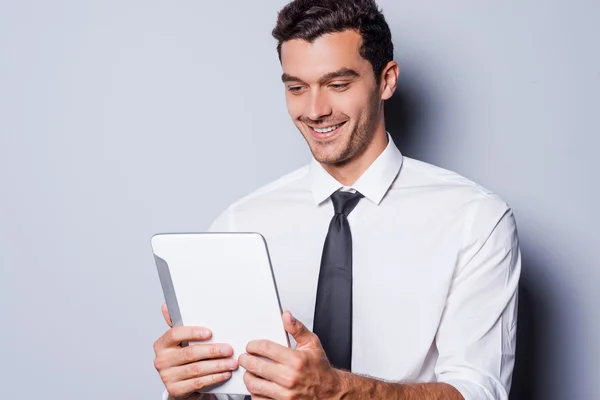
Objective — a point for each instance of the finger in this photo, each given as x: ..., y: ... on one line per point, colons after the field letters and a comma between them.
x: 270, y: 350
x: 165, y: 313
x: 303, y: 337
x: 262, y: 368
x: 189, y: 386
x: 260, y: 388
x: 199, y: 369
x: 175, y: 336
x: 184, y: 355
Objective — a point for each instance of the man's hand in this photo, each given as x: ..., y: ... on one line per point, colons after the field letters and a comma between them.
x: 300, y: 373
x: 185, y: 370
x: 305, y: 373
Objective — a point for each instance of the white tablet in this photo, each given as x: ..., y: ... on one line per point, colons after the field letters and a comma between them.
x: 225, y: 282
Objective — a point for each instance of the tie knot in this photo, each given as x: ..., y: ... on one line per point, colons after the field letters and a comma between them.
x: 344, y: 202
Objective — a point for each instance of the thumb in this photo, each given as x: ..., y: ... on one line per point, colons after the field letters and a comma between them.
x: 165, y: 313
x: 303, y: 337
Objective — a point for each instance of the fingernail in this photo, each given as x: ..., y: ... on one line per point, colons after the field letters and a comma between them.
x: 201, y: 332
x: 232, y: 364
x: 293, y: 319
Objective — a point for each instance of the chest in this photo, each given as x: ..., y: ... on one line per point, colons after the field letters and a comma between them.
x: 402, y: 271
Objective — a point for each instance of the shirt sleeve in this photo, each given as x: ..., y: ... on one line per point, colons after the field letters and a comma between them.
x: 224, y: 222
x: 476, y: 338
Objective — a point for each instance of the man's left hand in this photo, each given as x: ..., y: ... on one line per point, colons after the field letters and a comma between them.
x: 300, y: 373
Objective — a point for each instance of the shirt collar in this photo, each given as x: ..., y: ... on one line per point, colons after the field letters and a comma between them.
x: 373, y: 183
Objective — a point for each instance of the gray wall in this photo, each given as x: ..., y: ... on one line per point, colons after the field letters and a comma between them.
x: 122, y: 119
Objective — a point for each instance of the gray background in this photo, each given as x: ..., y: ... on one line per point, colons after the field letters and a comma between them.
x: 122, y: 119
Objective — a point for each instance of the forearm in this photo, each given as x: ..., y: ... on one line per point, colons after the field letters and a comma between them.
x: 357, y: 387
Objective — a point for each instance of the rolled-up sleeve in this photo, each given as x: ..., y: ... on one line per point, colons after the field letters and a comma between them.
x: 476, y: 339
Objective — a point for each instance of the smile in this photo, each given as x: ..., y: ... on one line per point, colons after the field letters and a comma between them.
x: 326, y: 134
x: 329, y: 129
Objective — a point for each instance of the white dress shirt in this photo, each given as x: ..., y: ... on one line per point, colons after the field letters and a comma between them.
x: 436, y: 265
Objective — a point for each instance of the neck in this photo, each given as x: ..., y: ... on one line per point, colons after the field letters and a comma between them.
x: 348, y: 172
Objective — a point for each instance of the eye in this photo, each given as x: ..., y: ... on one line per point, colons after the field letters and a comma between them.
x: 294, y: 89
x: 339, y: 86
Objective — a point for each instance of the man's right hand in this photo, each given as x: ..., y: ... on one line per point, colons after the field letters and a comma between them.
x: 185, y: 370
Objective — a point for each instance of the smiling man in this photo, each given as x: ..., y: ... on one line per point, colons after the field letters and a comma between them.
x: 401, y: 276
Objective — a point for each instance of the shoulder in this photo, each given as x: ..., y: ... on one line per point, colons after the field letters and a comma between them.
x: 283, y: 186
x: 421, y: 173
x: 483, y: 208
x: 425, y: 176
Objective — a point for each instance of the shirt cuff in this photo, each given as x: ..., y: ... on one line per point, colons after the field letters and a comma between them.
x: 219, y: 396
x: 473, y: 391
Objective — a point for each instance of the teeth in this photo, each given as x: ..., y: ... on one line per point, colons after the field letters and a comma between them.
x: 331, y: 128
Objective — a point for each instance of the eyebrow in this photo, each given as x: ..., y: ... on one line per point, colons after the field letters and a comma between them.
x: 340, y: 73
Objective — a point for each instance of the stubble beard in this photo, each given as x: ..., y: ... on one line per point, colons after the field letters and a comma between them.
x: 357, y: 142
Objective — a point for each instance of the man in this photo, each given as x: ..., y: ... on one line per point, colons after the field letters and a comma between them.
x: 403, y: 274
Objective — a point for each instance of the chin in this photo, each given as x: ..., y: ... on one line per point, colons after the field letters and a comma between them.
x: 331, y: 156
x: 332, y: 151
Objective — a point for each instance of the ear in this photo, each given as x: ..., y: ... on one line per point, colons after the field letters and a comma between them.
x: 389, y: 79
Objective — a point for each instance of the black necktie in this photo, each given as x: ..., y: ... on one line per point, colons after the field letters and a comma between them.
x: 333, y: 308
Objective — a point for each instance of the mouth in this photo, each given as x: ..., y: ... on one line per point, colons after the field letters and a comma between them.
x: 327, y: 132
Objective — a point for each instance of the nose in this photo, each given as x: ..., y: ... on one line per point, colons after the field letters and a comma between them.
x: 318, y: 105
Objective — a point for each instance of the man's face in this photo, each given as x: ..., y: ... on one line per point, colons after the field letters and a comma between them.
x: 331, y: 95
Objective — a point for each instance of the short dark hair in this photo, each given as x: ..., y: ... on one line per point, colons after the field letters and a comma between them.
x: 310, y: 19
